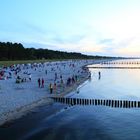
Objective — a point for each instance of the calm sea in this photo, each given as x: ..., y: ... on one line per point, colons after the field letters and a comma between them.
x: 61, y: 122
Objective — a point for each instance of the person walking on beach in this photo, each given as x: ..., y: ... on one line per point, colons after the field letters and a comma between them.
x: 54, y: 87
x: 42, y: 83
x: 39, y: 82
x: 51, y: 88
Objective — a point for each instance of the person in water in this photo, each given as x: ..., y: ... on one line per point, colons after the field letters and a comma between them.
x: 99, y: 75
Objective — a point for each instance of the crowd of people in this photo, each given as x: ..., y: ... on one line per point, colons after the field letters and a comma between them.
x: 66, y: 73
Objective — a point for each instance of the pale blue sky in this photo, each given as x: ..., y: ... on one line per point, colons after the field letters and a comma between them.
x: 99, y: 27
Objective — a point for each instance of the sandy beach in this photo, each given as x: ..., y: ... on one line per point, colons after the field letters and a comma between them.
x: 19, y: 85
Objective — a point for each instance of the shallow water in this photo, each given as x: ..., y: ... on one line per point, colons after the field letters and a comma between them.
x: 59, y: 121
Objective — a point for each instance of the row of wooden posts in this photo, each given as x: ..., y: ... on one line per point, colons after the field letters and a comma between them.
x: 108, y: 67
x: 127, y: 63
x: 98, y: 102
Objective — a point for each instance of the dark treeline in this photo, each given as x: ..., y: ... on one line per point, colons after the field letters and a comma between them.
x: 16, y: 51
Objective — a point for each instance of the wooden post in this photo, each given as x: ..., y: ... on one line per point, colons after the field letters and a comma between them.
x: 80, y: 101
x: 106, y: 102
x: 123, y: 104
x: 138, y: 103
x: 90, y: 101
x: 74, y: 101
x: 93, y: 101
x: 109, y: 103
x: 135, y: 104
x: 101, y: 102
x: 77, y: 101
x: 120, y: 104
x: 115, y: 103
x: 98, y: 102
x: 112, y: 103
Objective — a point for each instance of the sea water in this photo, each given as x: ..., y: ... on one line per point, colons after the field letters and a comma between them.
x: 87, y: 122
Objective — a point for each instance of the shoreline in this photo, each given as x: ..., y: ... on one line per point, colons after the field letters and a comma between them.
x: 20, y: 112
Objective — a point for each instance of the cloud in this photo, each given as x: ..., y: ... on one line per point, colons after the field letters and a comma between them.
x: 89, y: 42
x: 131, y: 48
x: 84, y: 44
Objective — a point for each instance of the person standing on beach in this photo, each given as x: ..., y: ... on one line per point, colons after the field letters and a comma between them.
x: 76, y: 78
x: 55, y: 76
x: 42, y: 83
x: 99, y: 73
x: 51, y: 88
x: 30, y: 77
x: 39, y: 82
x: 46, y: 72
x: 62, y: 84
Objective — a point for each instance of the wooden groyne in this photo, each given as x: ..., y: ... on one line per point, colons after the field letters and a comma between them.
x: 111, y: 65
x: 104, y: 67
x: 121, y: 63
x: 98, y: 102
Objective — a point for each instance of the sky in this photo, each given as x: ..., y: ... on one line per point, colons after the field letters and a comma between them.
x: 94, y: 27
